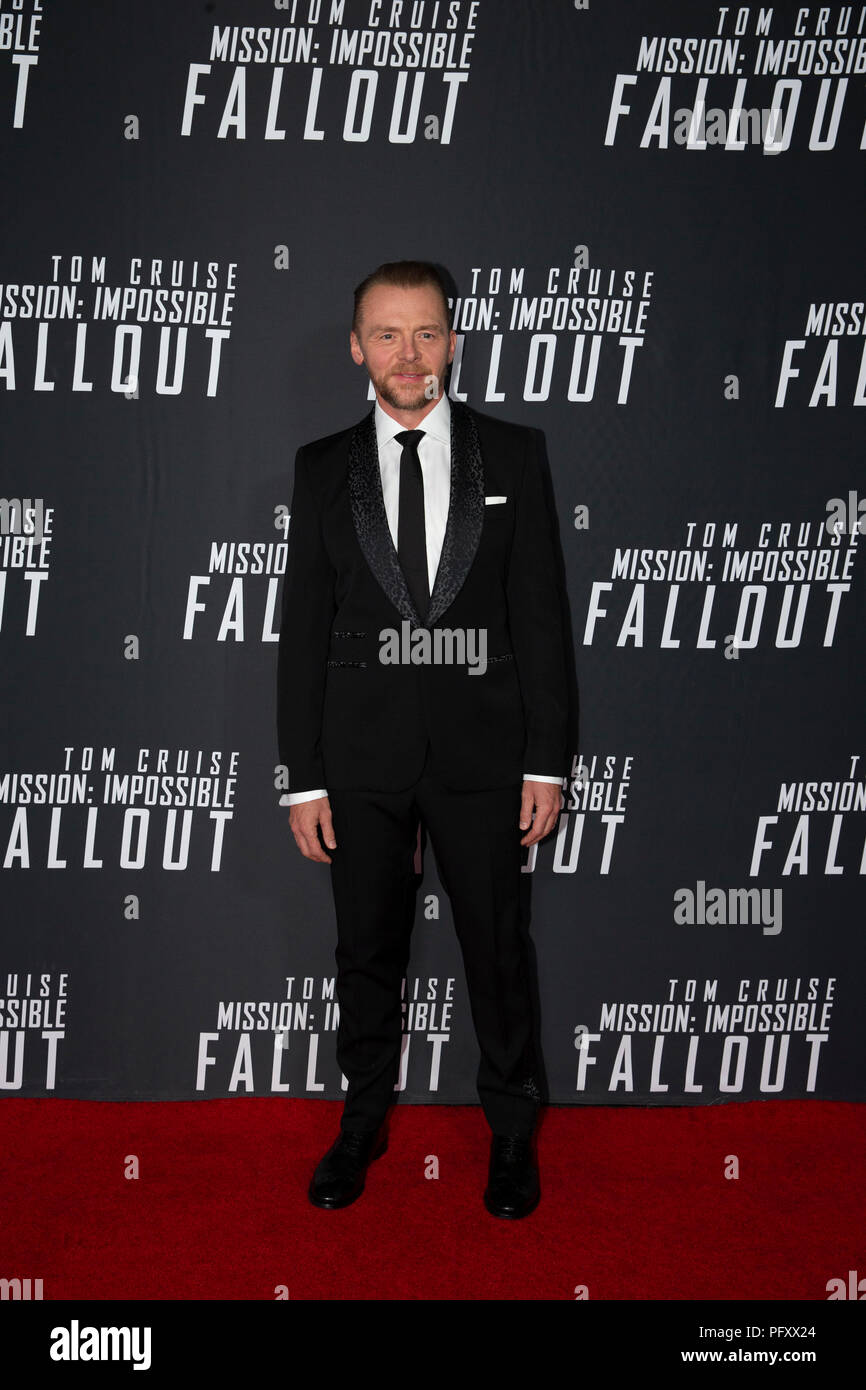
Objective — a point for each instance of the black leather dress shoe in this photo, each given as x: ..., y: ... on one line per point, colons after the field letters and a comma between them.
x: 512, y: 1181
x: 339, y: 1178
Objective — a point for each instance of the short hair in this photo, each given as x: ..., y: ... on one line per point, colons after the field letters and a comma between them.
x: 404, y: 275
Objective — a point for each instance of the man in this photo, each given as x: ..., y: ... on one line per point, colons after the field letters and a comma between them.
x: 425, y: 518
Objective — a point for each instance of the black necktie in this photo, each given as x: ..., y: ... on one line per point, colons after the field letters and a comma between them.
x: 411, y: 532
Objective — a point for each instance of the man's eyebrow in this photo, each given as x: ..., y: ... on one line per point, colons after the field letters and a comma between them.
x: 394, y: 328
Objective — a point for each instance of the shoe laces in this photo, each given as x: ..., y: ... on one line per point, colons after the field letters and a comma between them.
x: 356, y: 1140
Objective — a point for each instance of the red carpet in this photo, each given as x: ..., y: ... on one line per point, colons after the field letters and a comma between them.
x: 635, y: 1203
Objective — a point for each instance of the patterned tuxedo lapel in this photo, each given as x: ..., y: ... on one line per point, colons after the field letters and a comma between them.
x: 370, y: 520
x: 465, y: 512
x: 462, y: 529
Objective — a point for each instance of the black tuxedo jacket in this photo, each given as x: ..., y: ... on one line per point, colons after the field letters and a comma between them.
x: 345, y: 719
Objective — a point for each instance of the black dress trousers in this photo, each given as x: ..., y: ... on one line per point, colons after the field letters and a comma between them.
x: 476, y: 840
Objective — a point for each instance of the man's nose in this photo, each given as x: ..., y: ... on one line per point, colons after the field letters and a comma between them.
x: 411, y: 350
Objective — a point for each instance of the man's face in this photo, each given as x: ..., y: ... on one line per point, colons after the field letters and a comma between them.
x: 404, y: 342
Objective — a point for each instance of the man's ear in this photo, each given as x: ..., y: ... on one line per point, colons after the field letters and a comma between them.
x: 452, y: 340
x: 355, y: 349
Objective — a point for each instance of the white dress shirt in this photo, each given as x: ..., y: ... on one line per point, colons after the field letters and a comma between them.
x: 434, y: 454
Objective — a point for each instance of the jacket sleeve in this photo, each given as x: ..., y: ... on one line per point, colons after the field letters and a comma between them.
x: 305, y: 629
x: 537, y: 612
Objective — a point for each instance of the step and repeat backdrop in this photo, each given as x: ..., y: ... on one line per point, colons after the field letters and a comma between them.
x: 652, y: 214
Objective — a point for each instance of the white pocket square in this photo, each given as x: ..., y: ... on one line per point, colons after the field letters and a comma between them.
x: 492, y: 501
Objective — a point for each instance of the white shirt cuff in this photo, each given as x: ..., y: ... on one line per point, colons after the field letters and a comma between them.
x: 295, y: 798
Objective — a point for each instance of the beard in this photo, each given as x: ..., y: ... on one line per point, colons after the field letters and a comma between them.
x: 403, y: 395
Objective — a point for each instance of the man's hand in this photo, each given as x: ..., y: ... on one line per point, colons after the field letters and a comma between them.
x: 305, y: 819
x: 546, y: 799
